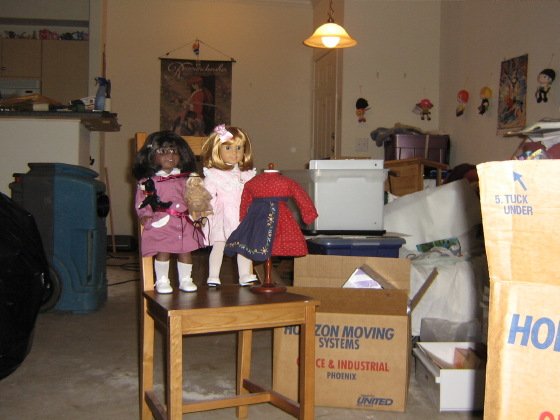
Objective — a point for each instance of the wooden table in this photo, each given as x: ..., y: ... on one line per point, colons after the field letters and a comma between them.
x: 221, y: 309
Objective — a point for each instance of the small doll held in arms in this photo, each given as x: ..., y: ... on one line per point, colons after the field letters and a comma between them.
x: 197, y: 197
x: 162, y: 167
x: 228, y: 164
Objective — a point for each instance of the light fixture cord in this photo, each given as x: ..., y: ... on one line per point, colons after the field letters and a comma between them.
x: 331, y: 12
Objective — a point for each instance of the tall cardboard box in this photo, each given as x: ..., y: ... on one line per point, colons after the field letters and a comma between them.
x: 520, y: 202
x: 362, y: 335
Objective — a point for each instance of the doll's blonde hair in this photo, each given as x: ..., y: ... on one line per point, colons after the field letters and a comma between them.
x: 211, y: 150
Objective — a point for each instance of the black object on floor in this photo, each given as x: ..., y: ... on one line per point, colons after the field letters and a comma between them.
x: 24, y: 280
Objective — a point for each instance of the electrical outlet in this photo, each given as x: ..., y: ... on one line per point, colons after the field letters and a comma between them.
x: 361, y: 145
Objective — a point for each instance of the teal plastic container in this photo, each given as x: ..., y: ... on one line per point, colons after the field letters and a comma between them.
x: 70, y: 207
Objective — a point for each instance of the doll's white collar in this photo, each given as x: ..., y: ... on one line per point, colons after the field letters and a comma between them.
x: 174, y: 171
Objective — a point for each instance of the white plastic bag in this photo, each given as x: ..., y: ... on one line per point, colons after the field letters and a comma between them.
x: 447, y: 211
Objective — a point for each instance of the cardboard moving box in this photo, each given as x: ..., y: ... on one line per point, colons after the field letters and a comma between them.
x: 520, y: 202
x: 363, y: 335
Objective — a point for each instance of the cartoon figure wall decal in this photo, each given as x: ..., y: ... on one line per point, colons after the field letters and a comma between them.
x: 362, y: 106
x: 485, y: 95
x: 544, y: 81
x: 423, y: 108
x: 462, y: 99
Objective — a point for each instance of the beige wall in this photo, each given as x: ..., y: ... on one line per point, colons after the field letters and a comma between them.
x: 407, y: 50
x: 394, y: 66
x: 271, y: 76
x: 476, y: 36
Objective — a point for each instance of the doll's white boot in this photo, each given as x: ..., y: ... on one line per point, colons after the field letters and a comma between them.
x: 163, y: 285
x: 187, y: 285
x: 248, y: 280
x: 213, y: 281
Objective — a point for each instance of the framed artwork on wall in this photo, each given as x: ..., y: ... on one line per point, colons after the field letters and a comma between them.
x: 512, y: 101
x: 195, y: 95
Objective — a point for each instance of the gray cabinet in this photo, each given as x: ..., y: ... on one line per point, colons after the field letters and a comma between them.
x: 20, y: 58
x: 61, y: 66
x: 64, y: 72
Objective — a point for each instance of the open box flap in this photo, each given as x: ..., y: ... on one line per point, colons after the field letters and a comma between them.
x: 335, y: 270
x: 357, y: 301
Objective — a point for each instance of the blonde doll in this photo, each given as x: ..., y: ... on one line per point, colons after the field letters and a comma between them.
x: 228, y: 164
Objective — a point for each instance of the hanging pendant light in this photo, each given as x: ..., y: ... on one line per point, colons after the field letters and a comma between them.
x: 330, y: 35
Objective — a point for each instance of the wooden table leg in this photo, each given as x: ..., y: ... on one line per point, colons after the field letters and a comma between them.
x: 307, y: 366
x: 175, y: 369
x: 244, y: 352
x: 147, y: 364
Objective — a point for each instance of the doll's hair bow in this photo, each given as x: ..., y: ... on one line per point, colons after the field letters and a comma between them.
x: 223, y: 133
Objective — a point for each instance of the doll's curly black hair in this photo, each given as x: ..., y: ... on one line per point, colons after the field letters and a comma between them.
x: 144, y: 165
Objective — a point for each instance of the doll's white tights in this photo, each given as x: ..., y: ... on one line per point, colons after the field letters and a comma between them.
x: 215, y: 264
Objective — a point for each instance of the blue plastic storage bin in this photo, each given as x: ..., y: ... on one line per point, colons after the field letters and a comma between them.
x: 70, y: 207
x: 363, y: 247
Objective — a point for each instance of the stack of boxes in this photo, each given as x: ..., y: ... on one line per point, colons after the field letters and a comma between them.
x: 363, y: 336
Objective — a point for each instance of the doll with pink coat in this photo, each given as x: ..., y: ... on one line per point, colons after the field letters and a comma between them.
x: 162, y: 166
x: 227, y: 158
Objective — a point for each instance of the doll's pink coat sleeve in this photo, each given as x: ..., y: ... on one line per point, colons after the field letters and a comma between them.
x: 210, y: 185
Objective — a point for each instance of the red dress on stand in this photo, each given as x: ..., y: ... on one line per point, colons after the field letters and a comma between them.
x: 287, y: 239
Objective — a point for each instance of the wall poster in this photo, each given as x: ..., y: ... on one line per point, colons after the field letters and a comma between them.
x: 512, y: 105
x: 195, y: 95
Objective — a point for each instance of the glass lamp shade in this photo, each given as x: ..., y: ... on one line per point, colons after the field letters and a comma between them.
x: 330, y: 35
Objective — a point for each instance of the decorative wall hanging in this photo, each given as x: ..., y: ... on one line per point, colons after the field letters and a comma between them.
x: 195, y: 95
x: 544, y: 81
x: 485, y: 95
x: 512, y: 105
x: 462, y: 99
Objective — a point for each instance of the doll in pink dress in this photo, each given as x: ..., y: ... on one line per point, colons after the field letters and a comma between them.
x: 162, y: 167
x: 228, y: 164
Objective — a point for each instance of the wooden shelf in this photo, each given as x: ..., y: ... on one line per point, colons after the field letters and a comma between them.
x: 44, y: 22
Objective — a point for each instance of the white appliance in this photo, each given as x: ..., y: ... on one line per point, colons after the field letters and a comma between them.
x: 348, y: 195
x: 13, y: 88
